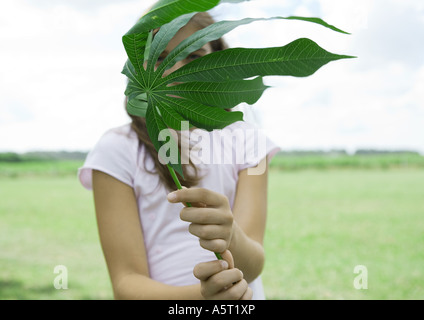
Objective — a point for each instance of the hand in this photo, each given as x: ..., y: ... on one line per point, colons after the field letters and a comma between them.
x: 210, y: 216
x: 219, y: 280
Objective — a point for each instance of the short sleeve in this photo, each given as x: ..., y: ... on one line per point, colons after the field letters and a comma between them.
x: 257, y: 146
x: 114, y: 154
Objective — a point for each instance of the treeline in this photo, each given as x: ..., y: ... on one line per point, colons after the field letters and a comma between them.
x: 363, y: 159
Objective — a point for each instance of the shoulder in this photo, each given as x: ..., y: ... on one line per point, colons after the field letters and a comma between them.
x: 117, y: 138
x: 117, y: 145
x: 115, y: 153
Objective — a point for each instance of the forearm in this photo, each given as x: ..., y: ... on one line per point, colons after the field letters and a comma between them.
x: 248, y: 254
x: 139, y: 287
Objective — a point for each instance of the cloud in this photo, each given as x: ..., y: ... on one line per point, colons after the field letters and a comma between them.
x: 393, y: 33
x: 62, y: 88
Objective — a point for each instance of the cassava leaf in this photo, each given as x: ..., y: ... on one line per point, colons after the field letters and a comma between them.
x: 198, y: 39
x: 219, y: 94
x: 201, y: 91
x: 300, y: 58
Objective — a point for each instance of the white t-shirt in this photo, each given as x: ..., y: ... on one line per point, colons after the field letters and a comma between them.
x: 172, y: 251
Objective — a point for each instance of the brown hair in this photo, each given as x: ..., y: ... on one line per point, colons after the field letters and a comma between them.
x: 191, y: 178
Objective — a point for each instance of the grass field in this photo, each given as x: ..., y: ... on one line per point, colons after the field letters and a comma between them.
x: 45, y: 222
x: 324, y: 223
x: 321, y: 224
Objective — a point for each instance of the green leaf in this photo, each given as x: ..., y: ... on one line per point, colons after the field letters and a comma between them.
x: 170, y: 116
x: 165, y: 11
x: 200, y: 91
x: 157, y: 128
x: 198, y: 40
x: 202, y: 116
x: 135, y: 45
x: 163, y: 36
x: 219, y: 94
x: 133, y: 90
x: 317, y: 21
x: 216, y: 31
x: 131, y: 73
x: 148, y: 45
x: 300, y: 58
x: 162, y: 12
x: 138, y: 106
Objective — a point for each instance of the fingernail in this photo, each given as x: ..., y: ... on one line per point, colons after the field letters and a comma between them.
x: 224, y: 264
x: 172, y: 196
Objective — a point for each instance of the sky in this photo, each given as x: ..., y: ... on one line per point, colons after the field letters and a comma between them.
x: 61, y: 85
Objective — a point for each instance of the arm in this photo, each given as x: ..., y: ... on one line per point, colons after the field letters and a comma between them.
x: 122, y: 242
x: 249, y: 210
x: 240, y: 230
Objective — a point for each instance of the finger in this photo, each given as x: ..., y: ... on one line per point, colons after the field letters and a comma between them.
x: 206, y: 232
x: 205, y: 270
x: 170, y: 198
x: 214, y: 245
x: 193, y: 204
x: 198, y: 195
x: 227, y: 256
x: 248, y: 295
x: 222, y: 281
x: 234, y: 292
x: 204, y: 216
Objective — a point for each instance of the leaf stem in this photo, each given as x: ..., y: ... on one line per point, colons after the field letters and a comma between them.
x: 174, y: 176
x: 179, y: 186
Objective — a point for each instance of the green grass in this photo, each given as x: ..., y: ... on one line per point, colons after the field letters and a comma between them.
x: 321, y: 224
x: 49, y: 221
x: 43, y: 168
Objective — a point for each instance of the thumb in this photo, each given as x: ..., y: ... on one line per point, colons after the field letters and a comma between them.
x: 227, y: 256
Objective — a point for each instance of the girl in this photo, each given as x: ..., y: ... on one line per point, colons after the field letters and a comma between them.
x: 154, y: 246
